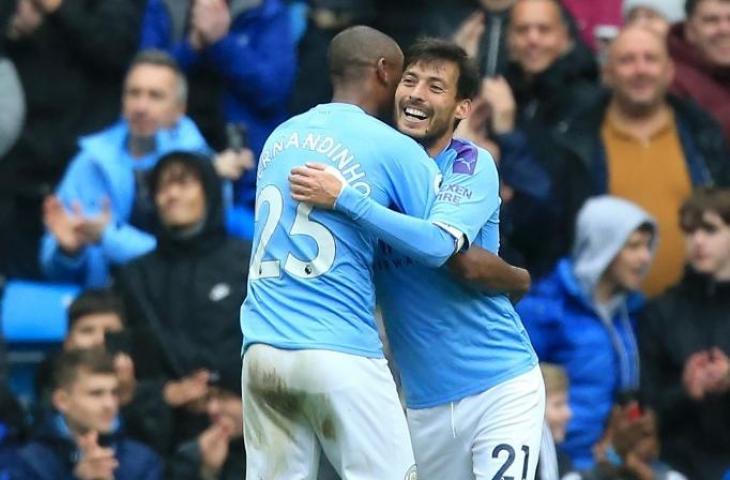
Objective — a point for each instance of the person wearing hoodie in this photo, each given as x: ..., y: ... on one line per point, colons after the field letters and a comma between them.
x: 81, y: 438
x: 656, y: 15
x: 241, y: 59
x: 183, y: 298
x: 581, y: 315
x: 101, y: 215
x: 636, y: 130
x: 684, y: 342
x: 700, y: 48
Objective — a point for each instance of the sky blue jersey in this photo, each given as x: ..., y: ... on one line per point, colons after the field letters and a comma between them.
x: 449, y: 340
x: 310, y: 278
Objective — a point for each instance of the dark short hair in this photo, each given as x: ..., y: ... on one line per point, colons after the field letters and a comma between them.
x: 95, y: 301
x: 70, y: 363
x: 704, y: 200
x: 161, y: 58
x: 428, y: 49
x: 191, y: 162
x: 690, y: 6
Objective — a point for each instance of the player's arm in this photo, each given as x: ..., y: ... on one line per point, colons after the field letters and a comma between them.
x: 487, y: 271
x: 424, y: 241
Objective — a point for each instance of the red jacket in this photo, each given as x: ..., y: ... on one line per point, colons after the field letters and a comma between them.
x: 706, y: 84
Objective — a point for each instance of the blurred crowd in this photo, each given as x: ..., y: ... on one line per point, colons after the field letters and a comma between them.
x: 129, y: 138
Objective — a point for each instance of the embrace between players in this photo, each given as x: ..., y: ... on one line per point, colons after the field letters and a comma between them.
x: 347, y: 207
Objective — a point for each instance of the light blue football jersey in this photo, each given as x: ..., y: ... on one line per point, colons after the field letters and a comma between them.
x: 449, y: 340
x: 310, y: 283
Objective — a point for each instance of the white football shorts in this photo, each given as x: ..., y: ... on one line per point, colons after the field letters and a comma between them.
x: 298, y: 403
x: 492, y: 435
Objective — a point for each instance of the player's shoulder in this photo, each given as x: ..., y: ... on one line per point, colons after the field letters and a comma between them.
x: 470, y: 159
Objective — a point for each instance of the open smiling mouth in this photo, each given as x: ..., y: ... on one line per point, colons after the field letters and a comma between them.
x: 415, y: 114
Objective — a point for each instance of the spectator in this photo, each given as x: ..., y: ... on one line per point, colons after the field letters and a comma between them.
x: 326, y: 18
x: 685, y: 342
x: 91, y: 317
x: 656, y: 15
x: 12, y: 429
x: 184, y: 296
x: 70, y: 56
x: 101, y: 215
x: 581, y: 315
x: 595, y: 18
x: 700, y: 50
x: 546, y: 83
x: 554, y: 464
x: 630, y: 448
x: 81, y: 439
x: 217, y: 453
x: 12, y: 99
x: 241, y: 59
x: 634, y: 132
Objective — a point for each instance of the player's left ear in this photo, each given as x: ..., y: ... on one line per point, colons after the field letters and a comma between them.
x: 382, y: 70
x: 463, y: 109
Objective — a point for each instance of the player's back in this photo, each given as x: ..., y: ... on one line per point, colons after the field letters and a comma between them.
x: 310, y: 278
x: 450, y: 340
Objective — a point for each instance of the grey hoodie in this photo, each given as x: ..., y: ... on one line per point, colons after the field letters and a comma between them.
x: 603, y: 226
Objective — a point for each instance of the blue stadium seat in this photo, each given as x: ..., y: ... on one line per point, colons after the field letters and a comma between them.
x: 34, y: 312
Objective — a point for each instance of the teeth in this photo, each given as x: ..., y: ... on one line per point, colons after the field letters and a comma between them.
x: 414, y: 112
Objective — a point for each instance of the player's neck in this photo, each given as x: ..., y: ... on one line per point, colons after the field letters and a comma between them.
x: 439, y: 145
x: 359, y: 97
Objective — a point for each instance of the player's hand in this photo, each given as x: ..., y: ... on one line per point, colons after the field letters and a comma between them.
x: 316, y: 184
x: 96, y: 463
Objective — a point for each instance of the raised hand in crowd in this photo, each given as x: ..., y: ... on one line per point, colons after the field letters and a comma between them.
x: 49, y: 6
x: 475, y: 127
x: 210, y: 21
x: 27, y: 18
x: 498, y: 94
x: 96, y: 462
x: 470, y: 33
x: 64, y: 225
x: 214, y: 443
x: 190, y: 391
x: 231, y: 164
x: 706, y: 372
x: 124, y: 367
x: 92, y: 227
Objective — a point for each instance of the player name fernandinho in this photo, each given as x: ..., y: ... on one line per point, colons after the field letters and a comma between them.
x: 326, y: 145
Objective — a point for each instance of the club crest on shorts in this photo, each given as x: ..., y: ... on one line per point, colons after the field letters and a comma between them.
x: 411, y: 474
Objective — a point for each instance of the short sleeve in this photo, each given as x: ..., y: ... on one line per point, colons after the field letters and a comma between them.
x: 469, y: 193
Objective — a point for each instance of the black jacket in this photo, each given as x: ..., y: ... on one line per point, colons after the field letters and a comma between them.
x: 691, y: 317
x: 183, y: 302
x: 187, y: 461
x: 546, y: 104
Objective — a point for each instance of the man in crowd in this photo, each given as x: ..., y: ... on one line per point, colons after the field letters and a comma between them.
x: 101, y: 215
x: 656, y: 15
x: 240, y: 57
x: 621, y: 144
x: 580, y: 316
x: 497, y: 381
x: 699, y: 48
x: 81, y: 438
x: 182, y: 297
x: 546, y: 82
x: 684, y: 341
x: 218, y: 452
